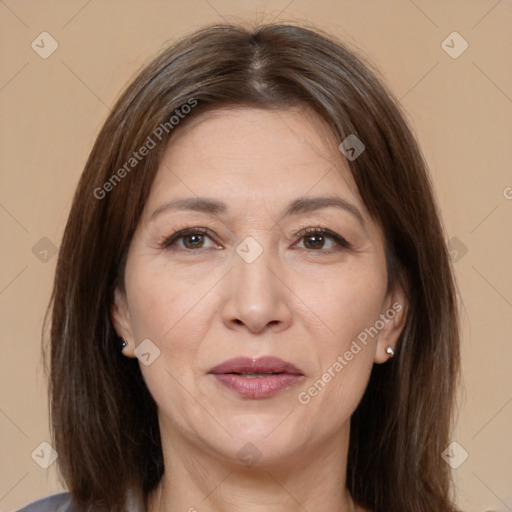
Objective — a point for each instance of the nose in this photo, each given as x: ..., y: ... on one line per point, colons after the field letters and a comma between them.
x: 256, y: 298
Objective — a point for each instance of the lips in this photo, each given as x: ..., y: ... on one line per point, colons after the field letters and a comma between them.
x: 257, y: 378
x: 262, y: 365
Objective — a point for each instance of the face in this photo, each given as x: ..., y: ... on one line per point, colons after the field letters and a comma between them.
x: 280, y: 258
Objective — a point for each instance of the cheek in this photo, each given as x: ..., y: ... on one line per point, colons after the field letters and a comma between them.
x: 347, y: 302
x: 174, y: 314
x: 160, y: 303
x: 348, y: 305
x: 166, y: 311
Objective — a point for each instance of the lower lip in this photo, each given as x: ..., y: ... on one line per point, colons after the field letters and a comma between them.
x: 258, y: 387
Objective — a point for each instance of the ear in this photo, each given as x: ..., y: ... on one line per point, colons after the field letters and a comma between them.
x: 120, y: 317
x: 393, y: 316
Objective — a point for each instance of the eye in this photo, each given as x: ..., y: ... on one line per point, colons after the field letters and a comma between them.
x: 321, y: 238
x: 318, y: 239
x: 190, y: 238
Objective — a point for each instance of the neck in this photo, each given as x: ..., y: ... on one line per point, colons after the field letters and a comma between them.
x: 197, y: 479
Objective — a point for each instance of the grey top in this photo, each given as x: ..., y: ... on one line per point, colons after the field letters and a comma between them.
x: 63, y: 502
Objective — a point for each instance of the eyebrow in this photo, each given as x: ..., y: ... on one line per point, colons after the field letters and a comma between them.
x: 296, y: 207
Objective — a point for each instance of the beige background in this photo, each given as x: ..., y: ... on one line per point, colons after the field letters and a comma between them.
x: 460, y: 107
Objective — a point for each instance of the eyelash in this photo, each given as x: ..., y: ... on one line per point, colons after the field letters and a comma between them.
x: 168, y: 242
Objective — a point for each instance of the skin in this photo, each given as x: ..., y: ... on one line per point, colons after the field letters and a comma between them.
x: 303, y: 299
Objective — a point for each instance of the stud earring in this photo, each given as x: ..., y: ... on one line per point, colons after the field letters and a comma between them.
x: 121, y: 344
x: 390, y: 351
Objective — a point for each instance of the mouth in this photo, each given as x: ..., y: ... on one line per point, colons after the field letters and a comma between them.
x: 257, y: 378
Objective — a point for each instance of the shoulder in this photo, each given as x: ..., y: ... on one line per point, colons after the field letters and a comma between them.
x: 62, y: 502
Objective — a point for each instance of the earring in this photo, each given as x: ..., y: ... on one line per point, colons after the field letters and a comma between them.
x: 390, y: 351
x: 121, y: 344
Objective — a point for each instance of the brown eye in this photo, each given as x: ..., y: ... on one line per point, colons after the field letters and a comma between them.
x: 193, y: 241
x: 320, y: 238
x: 314, y: 241
x: 189, y: 239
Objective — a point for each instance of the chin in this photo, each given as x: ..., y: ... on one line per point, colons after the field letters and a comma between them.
x: 261, y: 445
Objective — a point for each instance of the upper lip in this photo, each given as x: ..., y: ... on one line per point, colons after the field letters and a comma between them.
x: 264, y: 364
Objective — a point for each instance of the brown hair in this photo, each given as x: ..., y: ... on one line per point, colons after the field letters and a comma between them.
x: 103, y: 418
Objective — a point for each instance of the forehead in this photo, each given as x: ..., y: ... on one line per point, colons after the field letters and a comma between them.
x: 242, y: 153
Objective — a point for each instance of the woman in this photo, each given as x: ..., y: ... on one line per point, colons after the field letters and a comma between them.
x: 256, y: 228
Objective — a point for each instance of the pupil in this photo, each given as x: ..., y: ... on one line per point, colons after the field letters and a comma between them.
x: 318, y: 238
x: 197, y: 238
